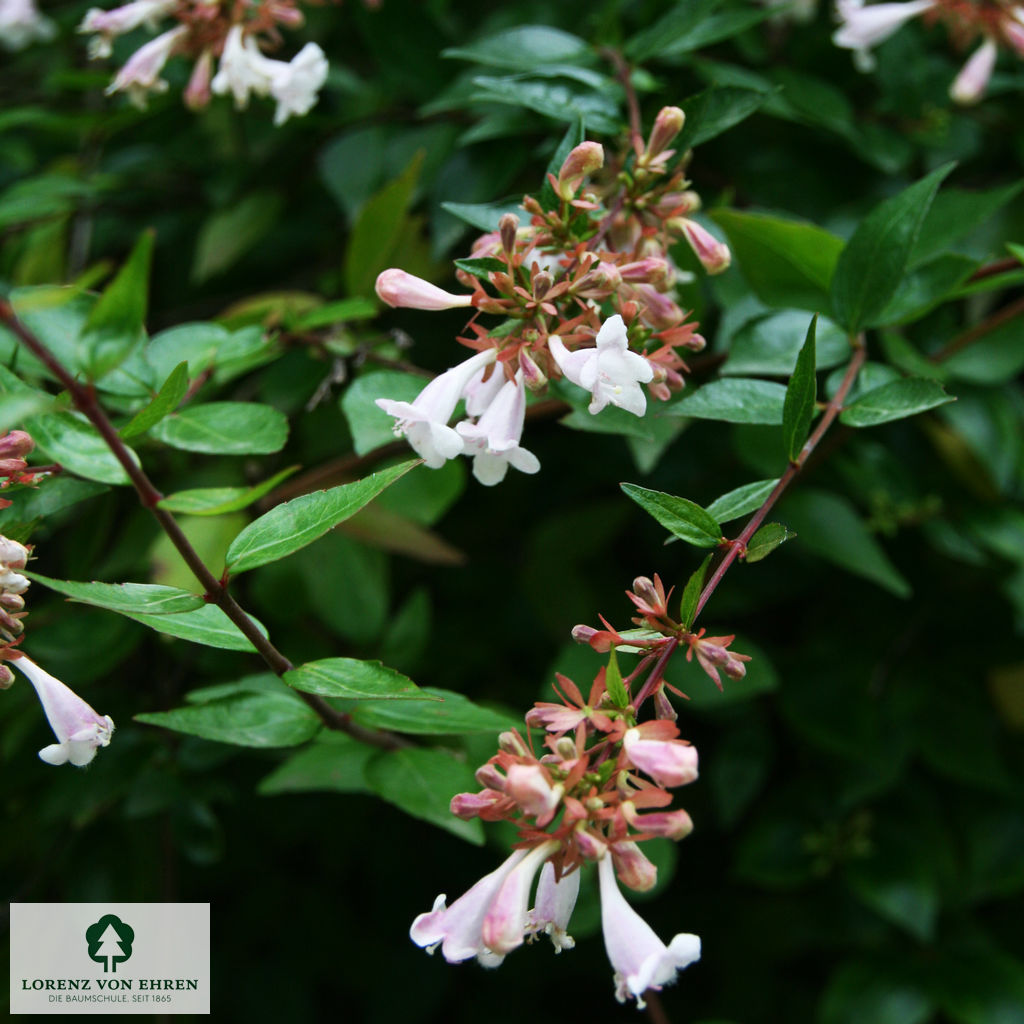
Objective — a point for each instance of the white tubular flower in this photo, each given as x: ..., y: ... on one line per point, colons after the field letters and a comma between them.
x: 21, y: 24
x: 864, y: 26
x: 296, y: 84
x: 610, y: 372
x: 79, y: 730
x: 494, y: 438
x: 555, y: 904
x: 640, y: 959
x: 458, y: 929
x: 243, y: 69
x: 141, y: 74
x: 970, y: 85
x: 505, y: 923
x: 424, y: 422
x: 480, y: 393
x: 116, y: 22
x: 402, y: 290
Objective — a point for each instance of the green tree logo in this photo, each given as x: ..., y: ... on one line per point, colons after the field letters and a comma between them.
x: 110, y: 942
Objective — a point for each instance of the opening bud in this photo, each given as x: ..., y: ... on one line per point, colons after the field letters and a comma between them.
x: 586, y: 158
x: 667, y: 125
x: 16, y: 444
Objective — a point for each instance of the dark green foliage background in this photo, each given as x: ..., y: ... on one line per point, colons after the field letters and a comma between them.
x: 858, y: 856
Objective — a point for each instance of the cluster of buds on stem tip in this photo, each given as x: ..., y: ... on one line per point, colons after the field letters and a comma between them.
x: 584, y: 291
x: 234, y: 36
x: 77, y: 727
x: 14, y: 446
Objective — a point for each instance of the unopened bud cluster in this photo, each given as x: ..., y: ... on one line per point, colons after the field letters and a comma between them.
x: 212, y: 33
x: 14, y: 446
x: 584, y: 291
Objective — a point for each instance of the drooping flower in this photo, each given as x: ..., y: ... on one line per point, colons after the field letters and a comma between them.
x: 640, y: 959
x: 553, y: 906
x: 610, y: 371
x: 505, y: 923
x: 970, y: 85
x: 424, y: 421
x: 653, y: 749
x: 494, y: 438
x: 866, y: 25
x: 21, y: 24
x: 296, y: 84
x: 242, y: 69
x: 140, y: 75
x: 79, y: 730
x: 119, y: 20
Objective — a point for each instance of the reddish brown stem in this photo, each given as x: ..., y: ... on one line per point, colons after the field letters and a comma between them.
x: 978, y: 331
x: 832, y: 410
x: 84, y: 398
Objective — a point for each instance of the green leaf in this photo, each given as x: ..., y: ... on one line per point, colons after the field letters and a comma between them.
x: 801, y: 394
x: 787, y: 262
x: 244, y: 720
x: 613, y: 682
x: 997, y: 358
x: 225, y: 428
x: 359, y: 680
x: 742, y: 500
x: 894, y: 401
x: 115, y: 324
x: 342, y: 311
x: 452, y: 715
x: 734, y: 400
x: 766, y: 540
x: 370, y: 425
x: 557, y: 99
x: 216, y: 501
x: 876, y: 992
x: 871, y: 267
x: 68, y: 438
x: 523, y: 47
x: 679, y: 516
x: 207, y: 625
x: 670, y: 33
x: 484, y: 216
x: 953, y: 214
x: 299, y: 522
x: 16, y: 408
x: 378, y: 229
x: 166, y: 400
x: 422, y: 782
x: 145, y: 598
x: 691, y: 593
x: 716, y: 110
x: 829, y: 526
x: 227, y: 235
x: 333, y: 762
x: 926, y: 286
x: 481, y: 266
x: 768, y: 346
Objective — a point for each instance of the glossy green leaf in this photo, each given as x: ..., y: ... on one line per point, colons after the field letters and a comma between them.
x: 523, y: 47
x: 165, y: 401
x: 484, y: 216
x: 342, y: 311
x: 671, y: 32
x: 144, y: 598
x: 692, y: 592
x: 871, y: 267
x: 798, y: 409
x: 768, y: 346
x: 954, y: 213
x: 481, y: 266
x: 244, y: 720
x: 225, y: 428
x: 69, y: 438
x: 926, y: 286
x: 996, y: 358
x: 613, y: 682
x: 557, y: 99
x: 681, y: 517
x: 452, y: 715
x: 788, y: 263
x: 742, y: 500
x: 216, y: 501
x: 714, y: 111
x: 829, y: 526
x: 766, y: 540
x: 333, y: 762
x: 894, y: 401
x: 207, y: 625
x: 227, y: 235
x: 116, y: 322
x: 16, y: 408
x: 734, y: 400
x: 422, y: 782
x: 299, y: 522
x: 876, y: 992
x: 370, y: 425
x: 349, y: 677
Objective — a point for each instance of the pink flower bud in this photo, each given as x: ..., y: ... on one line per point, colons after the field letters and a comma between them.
x: 677, y: 204
x: 406, y: 291
x: 512, y: 743
x: 197, y: 92
x: 533, y: 377
x: 12, y: 554
x: 6, y: 677
x: 12, y: 602
x: 589, y: 845
x: 490, y: 777
x: 669, y: 824
x: 586, y: 158
x: 971, y: 83
x: 635, y: 871
x: 667, y: 125
x: 507, y: 227
x: 713, y: 255
x: 16, y: 444
x: 668, y: 762
x: 652, y: 270
x: 471, y: 805
x: 530, y: 786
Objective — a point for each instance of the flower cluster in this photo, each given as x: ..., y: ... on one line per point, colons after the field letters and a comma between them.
x: 21, y: 24
x: 584, y: 290
x: 595, y: 792
x: 77, y: 727
x: 988, y: 23
x: 208, y: 31
x: 14, y: 446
